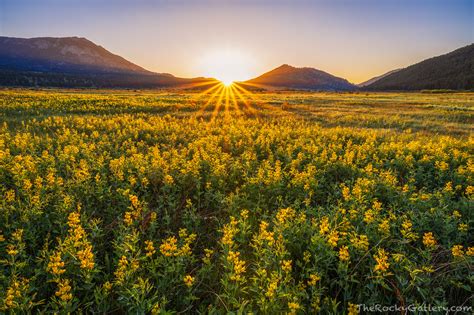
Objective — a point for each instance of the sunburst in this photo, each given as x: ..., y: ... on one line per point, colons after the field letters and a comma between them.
x: 227, y: 100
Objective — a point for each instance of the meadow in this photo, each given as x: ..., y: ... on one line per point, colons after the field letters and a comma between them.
x: 166, y: 202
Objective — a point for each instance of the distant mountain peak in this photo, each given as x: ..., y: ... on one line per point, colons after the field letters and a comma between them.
x: 74, y: 62
x: 64, y: 54
x: 286, y: 66
x: 305, y: 78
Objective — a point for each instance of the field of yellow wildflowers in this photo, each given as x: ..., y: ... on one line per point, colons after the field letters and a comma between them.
x: 165, y: 202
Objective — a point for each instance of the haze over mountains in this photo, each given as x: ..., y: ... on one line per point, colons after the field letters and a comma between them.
x: 78, y: 62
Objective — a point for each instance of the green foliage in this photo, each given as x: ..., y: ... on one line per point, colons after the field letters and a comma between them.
x: 148, y: 202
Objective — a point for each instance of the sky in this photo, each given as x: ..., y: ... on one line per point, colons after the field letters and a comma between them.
x: 355, y: 40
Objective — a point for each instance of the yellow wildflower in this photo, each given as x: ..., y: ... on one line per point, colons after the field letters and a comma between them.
x: 188, y: 281
x: 429, y: 240
x: 333, y: 237
x: 75, y: 229
x: 56, y: 265
x: 352, y: 309
x: 377, y: 206
x: 284, y: 215
x: 264, y: 234
x: 361, y: 243
x: 313, y: 279
x: 344, y: 253
x: 457, y: 251
x: 384, y: 227
x: 324, y: 225
x: 127, y: 218
x: 12, y: 250
x: 64, y: 290
x: 407, y: 231
x: 86, y: 257
x: 150, y: 249
x: 14, y: 292
x: 107, y: 286
x: 185, y: 250
x: 121, y: 269
x: 346, y: 193
x: 229, y: 232
x: 238, y: 266
x: 462, y: 227
x: 134, y: 201
x: 156, y: 309
x: 17, y: 235
x: 169, y: 180
x: 369, y: 216
x: 134, y: 264
x: 207, y: 255
x: 244, y: 214
x: 470, y: 190
x: 169, y: 247
x: 11, y: 294
x: 286, y: 265
x: 74, y: 219
x: 10, y: 195
x: 27, y: 184
x: 382, y: 261
x: 448, y: 187
x: 272, y: 286
x: 293, y: 306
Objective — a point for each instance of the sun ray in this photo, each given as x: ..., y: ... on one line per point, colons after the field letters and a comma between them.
x: 207, y: 91
x: 245, y: 93
x: 193, y: 85
x: 211, y: 98
x: 234, y: 101
x: 226, y: 108
x: 218, y: 103
x: 247, y: 106
x: 228, y: 98
x: 204, y: 93
x: 258, y: 103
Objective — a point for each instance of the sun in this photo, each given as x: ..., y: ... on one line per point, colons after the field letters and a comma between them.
x: 227, y: 82
x: 227, y: 66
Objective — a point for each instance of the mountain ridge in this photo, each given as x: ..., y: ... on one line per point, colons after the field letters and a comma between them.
x: 79, y: 62
x: 376, y: 78
x: 453, y: 70
x: 304, y: 78
x: 66, y: 54
x: 74, y: 62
